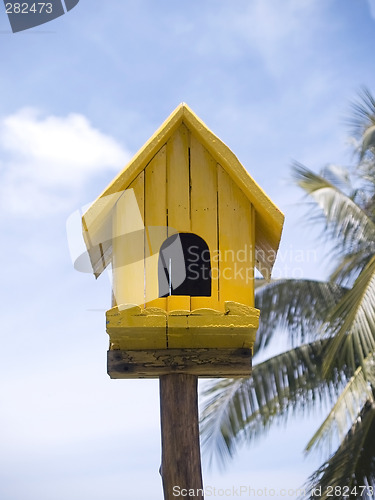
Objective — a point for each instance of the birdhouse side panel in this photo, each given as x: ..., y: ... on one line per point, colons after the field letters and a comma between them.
x: 204, y: 222
x: 236, y: 242
x: 155, y: 224
x: 128, y: 245
x: 178, y: 198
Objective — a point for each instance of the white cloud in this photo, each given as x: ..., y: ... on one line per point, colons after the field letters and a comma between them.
x: 46, y: 160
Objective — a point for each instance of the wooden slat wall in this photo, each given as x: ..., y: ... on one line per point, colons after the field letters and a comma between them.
x: 183, y: 189
x: 128, y: 252
x: 155, y: 224
x: 178, y: 197
x: 203, y: 173
x: 235, y: 228
x: 251, y: 244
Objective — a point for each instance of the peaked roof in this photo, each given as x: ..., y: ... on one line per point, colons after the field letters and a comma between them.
x: 97, y: 219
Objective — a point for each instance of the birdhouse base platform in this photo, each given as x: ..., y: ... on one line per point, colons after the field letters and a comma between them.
x: 149, y: 342
x: 211, y: 363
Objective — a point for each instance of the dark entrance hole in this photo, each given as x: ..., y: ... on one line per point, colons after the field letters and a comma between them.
x: 184, y: 266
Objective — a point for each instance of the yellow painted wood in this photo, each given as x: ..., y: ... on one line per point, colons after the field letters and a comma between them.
x: 178, y: 197
x: 269, y: 218
x: 178, y: 302
x: 128, y: 245
x: 206, y: 311
x: 136, y: 328
x: 104, y: 202
x: 178, y: 181
x: 252, y: 262
x: 97, y: 218
x: 212, y: 331
x: 155, y: 311
x: 132, y: 329
x: 237, y: 309
x: 203, y: 194
x: 97, y: 232
x: 156, y: 224
x: 235, y: 232
x: 211, y: 337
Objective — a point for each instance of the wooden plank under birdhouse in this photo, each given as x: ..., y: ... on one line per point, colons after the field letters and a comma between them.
x: 236, y: 247
x: 128, y: 245
x: 155, y: 224
x: 203, y: 199
x: 213, y: 363
x: 178, y: 197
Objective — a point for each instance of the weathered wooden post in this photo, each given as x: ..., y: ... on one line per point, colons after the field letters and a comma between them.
x: 183, y: 225
x: 181, y: 459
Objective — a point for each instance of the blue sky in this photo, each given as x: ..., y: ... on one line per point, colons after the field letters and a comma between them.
x: 80, y: 95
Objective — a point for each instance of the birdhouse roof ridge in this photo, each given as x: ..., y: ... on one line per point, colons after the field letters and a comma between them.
x: 269, y: 219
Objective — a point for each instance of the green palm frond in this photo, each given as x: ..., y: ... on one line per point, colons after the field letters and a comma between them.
x: 351, y: 265
x: 219, y: 425
x: 261, y: 283
x: 351, y: 323
x: 363, y: 113
x: 235, y: 410
x: 368, y: 142
x: 345, y: 411
x: 298, y: 306
x: 339, y: 176
x: 331, y: 327
x: 345, y: 221
x: 352, y: 467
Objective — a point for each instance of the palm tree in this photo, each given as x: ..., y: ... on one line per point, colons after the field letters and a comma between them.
x: 331, y: 333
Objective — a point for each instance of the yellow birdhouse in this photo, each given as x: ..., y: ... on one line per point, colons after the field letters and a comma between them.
x: 184, y: 226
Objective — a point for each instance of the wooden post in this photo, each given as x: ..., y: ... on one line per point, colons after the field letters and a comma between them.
x: 181, y: 460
